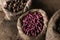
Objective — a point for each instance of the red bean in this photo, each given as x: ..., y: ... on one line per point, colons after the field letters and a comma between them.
x: 34, y: 23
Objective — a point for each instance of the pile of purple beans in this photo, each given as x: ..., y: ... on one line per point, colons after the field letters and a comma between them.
x: 15, y: 5
x: 32, y: 23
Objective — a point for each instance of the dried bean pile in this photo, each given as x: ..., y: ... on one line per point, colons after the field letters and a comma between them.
x: 15, y: 5
x: 58, y: 25
x: 32, y: 23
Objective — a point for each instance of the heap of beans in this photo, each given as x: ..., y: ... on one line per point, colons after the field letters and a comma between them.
x: 58, y: 25
x: 32, y: 23
x: 15, y: 5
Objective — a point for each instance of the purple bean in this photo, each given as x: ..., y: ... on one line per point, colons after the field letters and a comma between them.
x: 34, y: 21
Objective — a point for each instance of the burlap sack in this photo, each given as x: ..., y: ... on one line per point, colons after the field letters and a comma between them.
x: 52, y: 34
x: 8, y: 30
x: 8, y: 14
x: 41, y: 35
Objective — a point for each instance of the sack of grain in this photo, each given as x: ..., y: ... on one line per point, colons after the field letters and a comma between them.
x: 32, y: 25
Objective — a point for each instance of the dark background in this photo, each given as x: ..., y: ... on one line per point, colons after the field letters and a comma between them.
x: 49, y: 6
